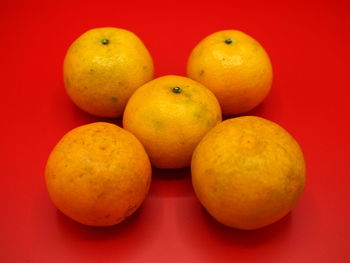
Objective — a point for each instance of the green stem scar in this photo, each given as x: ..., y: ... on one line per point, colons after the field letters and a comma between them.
x: 228, y: 41
x: 104, y: 41
x: 176, y: 90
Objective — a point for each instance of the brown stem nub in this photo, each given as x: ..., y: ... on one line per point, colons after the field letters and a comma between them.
x: 104, y: 41
x: 177, y: 90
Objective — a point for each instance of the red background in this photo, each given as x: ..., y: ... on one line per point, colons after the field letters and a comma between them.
x: 309, y: 45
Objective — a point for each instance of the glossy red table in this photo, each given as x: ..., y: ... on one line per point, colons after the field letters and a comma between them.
x: 308, y: 42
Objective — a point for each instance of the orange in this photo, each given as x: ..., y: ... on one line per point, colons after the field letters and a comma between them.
x: 170, y: 115
x: 248, y: 172
x: 98, y: 174
x: 103, y: 67
x: 235, y: 67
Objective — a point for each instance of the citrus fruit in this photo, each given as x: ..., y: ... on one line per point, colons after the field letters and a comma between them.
x: 98, y: 174
x: 235, y: 67
x: 248, y: 172
x: 170, y: 115
x: 103, y: 67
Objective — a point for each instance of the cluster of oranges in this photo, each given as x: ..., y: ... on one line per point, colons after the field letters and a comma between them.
x: 247, y: 172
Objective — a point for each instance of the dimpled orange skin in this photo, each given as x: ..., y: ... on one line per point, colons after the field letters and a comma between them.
x: 98, y: 174
x: 248, y: 172
x: 235, y: 67
x: 103, y: 67
x: 170, y: 115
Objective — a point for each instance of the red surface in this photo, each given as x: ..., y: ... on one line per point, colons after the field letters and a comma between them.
x: 308, y: 43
